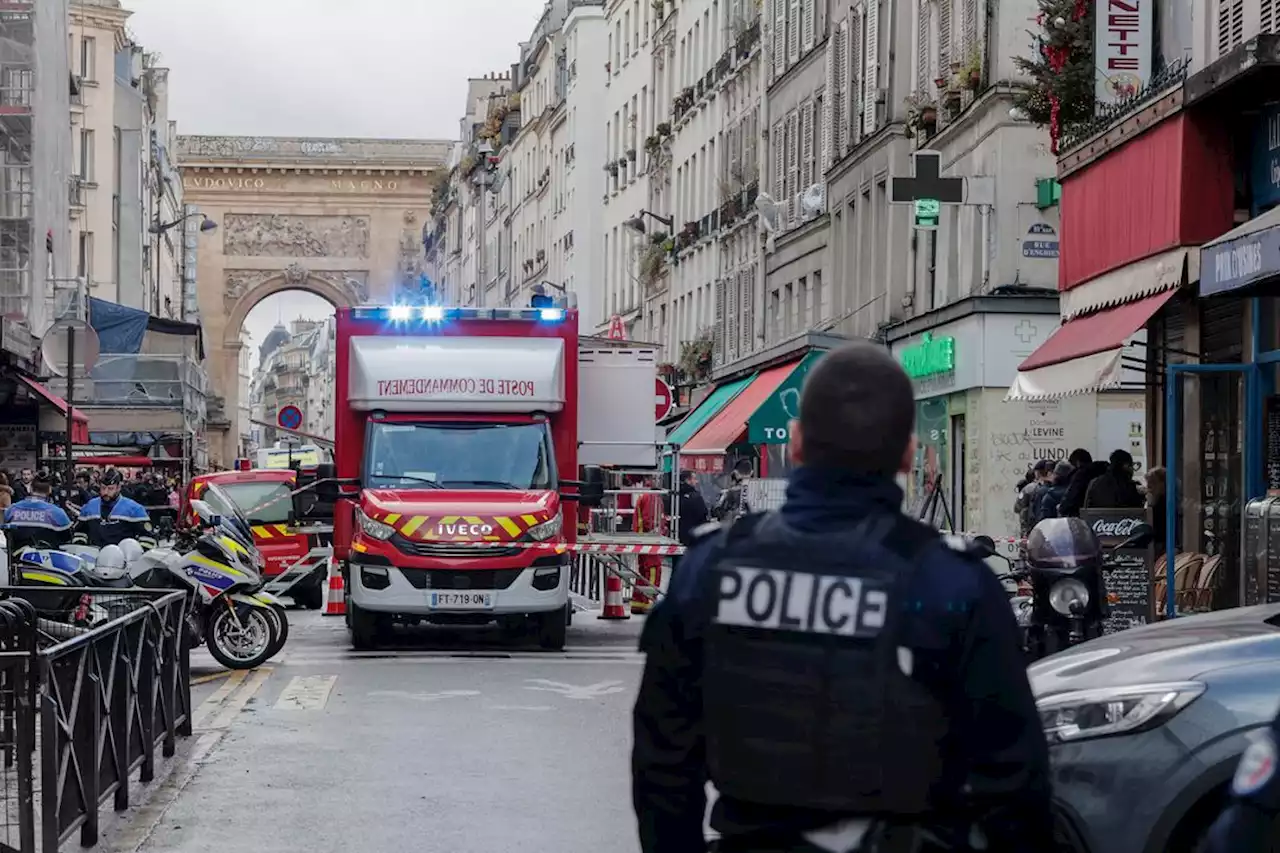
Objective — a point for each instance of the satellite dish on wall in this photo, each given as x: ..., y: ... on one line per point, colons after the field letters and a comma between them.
x: 56, y: 342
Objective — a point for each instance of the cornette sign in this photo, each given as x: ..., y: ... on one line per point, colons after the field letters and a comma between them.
x: 1240, y: 262
x: 930, y: 357
x: 770, y: 424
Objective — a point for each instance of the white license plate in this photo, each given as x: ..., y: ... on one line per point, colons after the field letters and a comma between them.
x: 461, y: 600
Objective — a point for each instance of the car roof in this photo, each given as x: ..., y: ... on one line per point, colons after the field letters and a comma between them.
x: 256, y: 475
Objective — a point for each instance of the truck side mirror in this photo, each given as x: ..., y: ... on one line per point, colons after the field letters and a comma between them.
x: 591, y: 490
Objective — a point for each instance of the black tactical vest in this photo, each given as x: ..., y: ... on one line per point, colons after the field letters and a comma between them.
x: 805, y: 699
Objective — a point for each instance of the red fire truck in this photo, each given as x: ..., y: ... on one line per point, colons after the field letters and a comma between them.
x: 459, y: 436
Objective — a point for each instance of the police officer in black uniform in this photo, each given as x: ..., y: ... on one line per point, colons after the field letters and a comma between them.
x: 835, y: 663
x: 1249, y: 823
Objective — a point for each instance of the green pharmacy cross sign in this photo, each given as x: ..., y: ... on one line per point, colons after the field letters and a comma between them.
x: 931, y: 357
x: 927, y: 190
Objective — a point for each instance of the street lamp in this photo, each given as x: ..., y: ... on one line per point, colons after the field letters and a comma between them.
x: 636, y: 223
x: 206, y: 226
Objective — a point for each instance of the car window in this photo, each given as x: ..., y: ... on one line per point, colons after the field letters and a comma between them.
x: 251, y: 496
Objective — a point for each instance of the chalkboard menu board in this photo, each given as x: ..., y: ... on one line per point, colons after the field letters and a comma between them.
x: 1129, y: 583
x: 1273, y: 444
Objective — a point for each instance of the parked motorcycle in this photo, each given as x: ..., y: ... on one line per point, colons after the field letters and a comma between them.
x: 1066, y: 567
x: 242, y: 626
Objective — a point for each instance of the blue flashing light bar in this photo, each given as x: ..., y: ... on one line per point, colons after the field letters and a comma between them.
x: 441, y: 314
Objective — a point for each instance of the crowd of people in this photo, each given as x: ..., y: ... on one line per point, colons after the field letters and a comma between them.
x: 1064, y: 488
x: 152, y: 489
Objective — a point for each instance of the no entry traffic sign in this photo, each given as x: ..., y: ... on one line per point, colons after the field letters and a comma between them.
x: 662, y: 399
x: 290, y: 417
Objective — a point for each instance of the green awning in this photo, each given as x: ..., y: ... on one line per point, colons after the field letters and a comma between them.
x: 708, y: 409
x: 768, y: 424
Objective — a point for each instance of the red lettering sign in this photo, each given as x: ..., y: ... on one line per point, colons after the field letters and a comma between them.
x: 439, y: 386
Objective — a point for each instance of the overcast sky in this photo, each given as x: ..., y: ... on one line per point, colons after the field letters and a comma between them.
x: 371, y: 68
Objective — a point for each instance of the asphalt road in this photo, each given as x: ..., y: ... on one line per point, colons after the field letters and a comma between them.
x: 427, y: 747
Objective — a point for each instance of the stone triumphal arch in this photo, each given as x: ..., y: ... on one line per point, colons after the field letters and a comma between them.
x: 340, y: 218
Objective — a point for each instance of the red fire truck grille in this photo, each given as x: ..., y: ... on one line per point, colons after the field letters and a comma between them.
x: 461, y: 578
x: 449, y: 549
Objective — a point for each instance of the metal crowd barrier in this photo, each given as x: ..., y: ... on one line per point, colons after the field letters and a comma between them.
x: 79, y: 716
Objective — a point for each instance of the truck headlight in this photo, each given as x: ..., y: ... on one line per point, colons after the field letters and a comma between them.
x: 546, y: 530
x: 1086, y: 714
x: 373, y: 528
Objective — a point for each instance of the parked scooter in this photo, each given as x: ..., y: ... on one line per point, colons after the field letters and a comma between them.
x: 1066, y: 566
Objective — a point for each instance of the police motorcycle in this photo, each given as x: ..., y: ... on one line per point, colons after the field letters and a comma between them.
x: 1066, y: 566
x: 242, y: 626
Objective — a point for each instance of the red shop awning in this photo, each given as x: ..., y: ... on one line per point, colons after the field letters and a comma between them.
x: 729, y: 426
x: 80, y: 421
x: 1085, y: 354
x: 116, y: 461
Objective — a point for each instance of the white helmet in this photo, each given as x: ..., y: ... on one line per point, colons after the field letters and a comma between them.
x: 132, y: 550
x: 111, y: 563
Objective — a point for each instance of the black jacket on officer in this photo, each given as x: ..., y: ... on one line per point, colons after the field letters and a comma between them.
x: 836, y: 659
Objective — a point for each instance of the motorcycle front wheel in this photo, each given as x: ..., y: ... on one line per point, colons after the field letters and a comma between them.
x: 281, y: 629
x: 240, y: 643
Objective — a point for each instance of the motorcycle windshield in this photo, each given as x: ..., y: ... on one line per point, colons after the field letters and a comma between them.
x: 224, y: 549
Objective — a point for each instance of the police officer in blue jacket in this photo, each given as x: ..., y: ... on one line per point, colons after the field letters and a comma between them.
x: 110, y: 518
x: 1249, y: 823
x: 36, y: 521
x: 835, y: 663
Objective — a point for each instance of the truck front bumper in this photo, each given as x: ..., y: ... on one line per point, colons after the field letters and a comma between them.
x: 538, y: 588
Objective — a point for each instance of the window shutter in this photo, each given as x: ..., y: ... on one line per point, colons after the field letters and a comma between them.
x: 777, y: 140
x: 807, y: 178
x: 793, y: 153
x: 944, y: 38
x: 841, y: 117
x: 731, y: 319
x: 793, y: 32
x: 851, y: 35
x: 871, y: 67
x: 828, y: 102
x: 718, y: 355
x: 922, y: 46
x: 969, y: 27
x: 747, y: 290
x: 808, y: 34
x: 1267, y: 17
x: 779, y: 37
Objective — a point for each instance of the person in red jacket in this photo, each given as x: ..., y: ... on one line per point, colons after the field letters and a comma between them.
x: 648, y: 518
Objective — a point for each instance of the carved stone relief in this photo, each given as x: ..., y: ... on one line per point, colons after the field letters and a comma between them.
x: 270, y: 235
x: 236, y: 283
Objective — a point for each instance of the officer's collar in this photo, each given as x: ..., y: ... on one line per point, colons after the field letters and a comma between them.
x: 842, y: 487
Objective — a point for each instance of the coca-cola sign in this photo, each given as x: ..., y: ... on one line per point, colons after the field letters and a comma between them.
x: 1115, y: 528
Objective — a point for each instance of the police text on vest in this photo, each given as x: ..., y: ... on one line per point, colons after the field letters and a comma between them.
x: 797, y: 601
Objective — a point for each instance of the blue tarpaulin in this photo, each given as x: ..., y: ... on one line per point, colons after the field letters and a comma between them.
x: 120, y: 328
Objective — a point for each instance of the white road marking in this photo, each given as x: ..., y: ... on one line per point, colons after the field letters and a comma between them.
x: 572, y: 691
x: 306, y: 693
x: 518, y: 708
x: 425, y: 697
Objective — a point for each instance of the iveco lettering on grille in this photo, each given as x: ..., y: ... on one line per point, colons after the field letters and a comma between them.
x: 797, y: 601
x: 464, y: 529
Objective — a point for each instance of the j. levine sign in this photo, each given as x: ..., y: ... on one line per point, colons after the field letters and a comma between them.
x: 1240, y: 262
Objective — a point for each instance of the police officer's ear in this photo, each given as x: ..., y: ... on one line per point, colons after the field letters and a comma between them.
x: 908, y: 456
x: 795, y: 446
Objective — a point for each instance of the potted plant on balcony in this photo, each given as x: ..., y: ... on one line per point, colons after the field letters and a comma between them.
x: 612, y: 168
x: 922, y: 114
x: 663, y: 129
x: 631, y: 154
x: 971, y: 72
x: 652, y: 144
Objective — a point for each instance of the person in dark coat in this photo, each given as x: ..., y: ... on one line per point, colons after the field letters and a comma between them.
x: 1051, y: 496
x: 1115, y: 488
x: 693, y: 508
x: 1086, y: 471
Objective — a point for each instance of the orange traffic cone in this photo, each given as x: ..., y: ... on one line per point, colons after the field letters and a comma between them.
x: 614, y: 606
x: 335, y: 603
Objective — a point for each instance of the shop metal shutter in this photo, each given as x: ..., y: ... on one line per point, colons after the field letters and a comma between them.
x: 1221, y: 330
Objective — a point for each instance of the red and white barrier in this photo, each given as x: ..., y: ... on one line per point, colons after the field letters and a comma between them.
x: 335, y: 602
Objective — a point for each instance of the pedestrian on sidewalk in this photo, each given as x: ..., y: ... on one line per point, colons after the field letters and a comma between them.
x: 693, y: 511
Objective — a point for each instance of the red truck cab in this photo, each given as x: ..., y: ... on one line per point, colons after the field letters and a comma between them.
x: 456, y: 452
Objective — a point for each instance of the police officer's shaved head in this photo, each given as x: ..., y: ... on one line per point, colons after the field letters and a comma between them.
x: 857, y: 412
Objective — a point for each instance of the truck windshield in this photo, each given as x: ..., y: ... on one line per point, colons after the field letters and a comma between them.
x: 476, y: 456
